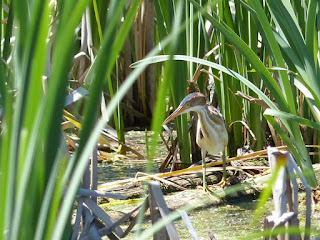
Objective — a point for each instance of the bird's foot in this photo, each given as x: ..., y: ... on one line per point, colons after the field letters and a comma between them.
x: 209, y: 192
x: 204, y: 188
x: 223, y: 183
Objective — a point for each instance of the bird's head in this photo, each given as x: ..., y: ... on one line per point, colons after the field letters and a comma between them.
x: 192, y: 102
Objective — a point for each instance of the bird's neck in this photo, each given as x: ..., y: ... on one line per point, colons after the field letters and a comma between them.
x: 205, y: 115
x: 202, y: 111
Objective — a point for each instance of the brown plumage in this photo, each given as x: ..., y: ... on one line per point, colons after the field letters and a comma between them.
x: 212, y: 136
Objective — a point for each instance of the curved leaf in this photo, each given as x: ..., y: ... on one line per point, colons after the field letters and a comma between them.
x: 161, y: 58
x: 290, y: 117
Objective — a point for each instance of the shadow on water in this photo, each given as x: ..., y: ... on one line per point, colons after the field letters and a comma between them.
x: 120, y: 170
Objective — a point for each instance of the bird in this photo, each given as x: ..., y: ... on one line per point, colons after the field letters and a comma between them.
x: 212, y: 135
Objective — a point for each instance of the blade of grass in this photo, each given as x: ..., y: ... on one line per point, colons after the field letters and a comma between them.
x: 310, y: 29
x: 249, y: 55
x: 283, y: 15
x: 275, y: 51
x: 292, y: 118
x: 91, y: 141
x: 293, y: 150
x: 161, y: 58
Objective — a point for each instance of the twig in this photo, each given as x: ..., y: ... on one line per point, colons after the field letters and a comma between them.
x: 161, y: 180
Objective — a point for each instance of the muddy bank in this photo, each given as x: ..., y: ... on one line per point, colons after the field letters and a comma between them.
x: 248, y: 189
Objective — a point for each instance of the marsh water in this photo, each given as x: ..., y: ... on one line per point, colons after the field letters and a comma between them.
x: 224, y: 221
x: 229, y: 220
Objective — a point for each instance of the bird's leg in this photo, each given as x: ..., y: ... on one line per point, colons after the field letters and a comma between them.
x: 203, y: 155
x: 224, y: 179
x: 224, y: 166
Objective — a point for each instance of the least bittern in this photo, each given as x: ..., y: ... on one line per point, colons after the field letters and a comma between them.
x: 212, y: 136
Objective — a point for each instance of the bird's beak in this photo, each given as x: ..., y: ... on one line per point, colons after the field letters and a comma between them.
x: 177, y: 112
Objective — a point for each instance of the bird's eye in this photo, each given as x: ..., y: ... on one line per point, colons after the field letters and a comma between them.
x: 188, y: 105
